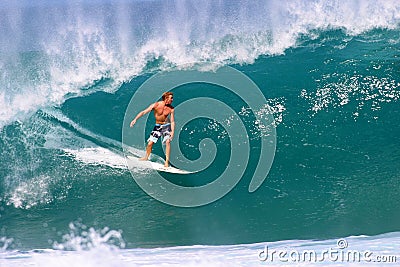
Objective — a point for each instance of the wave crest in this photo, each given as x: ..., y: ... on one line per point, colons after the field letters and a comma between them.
x: 51, y: 52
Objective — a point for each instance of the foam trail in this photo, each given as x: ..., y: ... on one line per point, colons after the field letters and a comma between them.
x: 86, y: 146
x: 90, y: 148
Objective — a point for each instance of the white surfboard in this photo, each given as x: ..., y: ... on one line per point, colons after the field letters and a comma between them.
x: 147, y: 164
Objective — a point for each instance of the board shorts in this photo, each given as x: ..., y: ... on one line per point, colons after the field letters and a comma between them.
x: 159, y: 130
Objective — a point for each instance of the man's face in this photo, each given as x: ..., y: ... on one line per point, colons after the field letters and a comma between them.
x: 169, y: 99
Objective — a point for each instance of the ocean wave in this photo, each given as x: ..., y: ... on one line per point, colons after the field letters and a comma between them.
x: 87, y: 47
x: 328, y: 71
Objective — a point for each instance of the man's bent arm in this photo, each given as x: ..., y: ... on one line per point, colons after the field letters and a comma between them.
x: 140, y: 114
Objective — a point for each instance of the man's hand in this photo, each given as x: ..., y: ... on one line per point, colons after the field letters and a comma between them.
x: 147, y: 110
x: 171, y: 136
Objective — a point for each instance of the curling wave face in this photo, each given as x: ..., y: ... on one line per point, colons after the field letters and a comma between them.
x: 329, y: 73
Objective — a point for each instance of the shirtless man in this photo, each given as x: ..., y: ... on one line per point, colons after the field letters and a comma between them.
x: 164, y: 127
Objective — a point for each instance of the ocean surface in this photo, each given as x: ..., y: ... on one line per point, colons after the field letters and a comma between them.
x: 330, y: 74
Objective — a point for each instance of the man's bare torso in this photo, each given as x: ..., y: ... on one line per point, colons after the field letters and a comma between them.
x: 161, y: 112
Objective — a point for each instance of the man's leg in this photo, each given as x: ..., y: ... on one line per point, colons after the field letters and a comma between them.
x: 148, y: 150
x: 167, y: 151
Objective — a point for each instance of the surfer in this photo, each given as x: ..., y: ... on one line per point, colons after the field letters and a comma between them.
x: 165, y: 124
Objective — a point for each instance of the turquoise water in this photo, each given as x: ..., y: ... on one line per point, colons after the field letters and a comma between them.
x: 333, y: 84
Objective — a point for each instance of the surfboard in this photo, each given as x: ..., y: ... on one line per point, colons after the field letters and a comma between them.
x: 147, y: 164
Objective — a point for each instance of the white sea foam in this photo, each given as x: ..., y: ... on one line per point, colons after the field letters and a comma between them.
x: 84, y: 246
x: 363, y: 91
x: 98, y: 156
x: 31, y: 193
x: 5, y: 243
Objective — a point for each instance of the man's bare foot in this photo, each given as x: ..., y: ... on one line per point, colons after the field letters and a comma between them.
x: 143, y: 159
x: 166, y: 166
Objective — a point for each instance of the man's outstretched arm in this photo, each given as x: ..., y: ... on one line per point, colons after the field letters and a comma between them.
x: 140, y: 114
